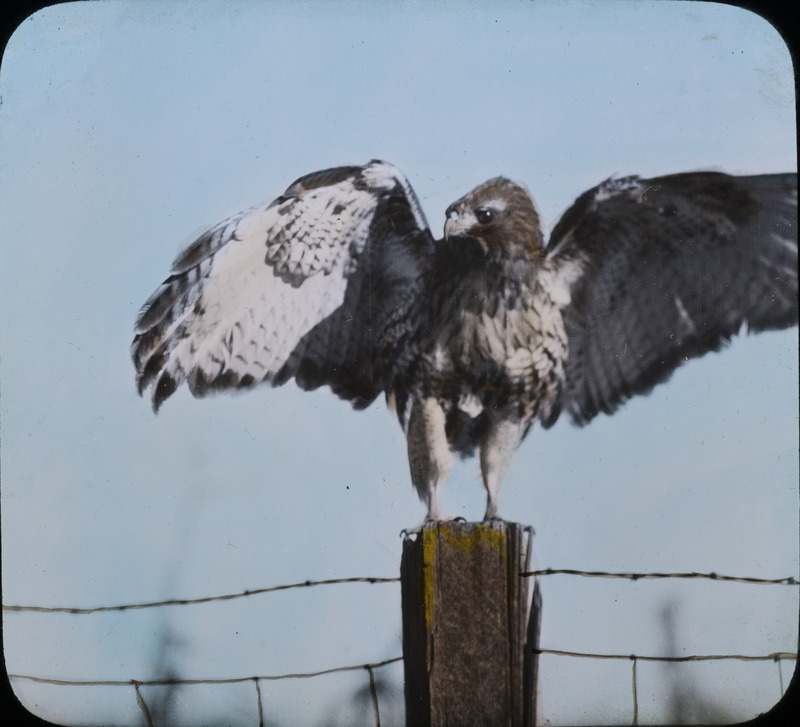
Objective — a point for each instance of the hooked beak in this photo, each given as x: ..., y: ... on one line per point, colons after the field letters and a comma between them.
x: 453, y: 227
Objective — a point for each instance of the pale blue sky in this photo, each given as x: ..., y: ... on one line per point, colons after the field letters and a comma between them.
x: 127, y: 128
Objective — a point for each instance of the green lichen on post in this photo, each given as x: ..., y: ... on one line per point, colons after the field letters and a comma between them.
x: 467, y: 542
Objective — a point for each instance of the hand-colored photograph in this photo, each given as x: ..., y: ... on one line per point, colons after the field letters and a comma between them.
x: 398, y: 363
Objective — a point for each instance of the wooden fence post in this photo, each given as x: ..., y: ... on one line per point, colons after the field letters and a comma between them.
x: 469, y: 631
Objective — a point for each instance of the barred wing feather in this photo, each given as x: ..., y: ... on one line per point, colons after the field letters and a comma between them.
x: 279, y: 290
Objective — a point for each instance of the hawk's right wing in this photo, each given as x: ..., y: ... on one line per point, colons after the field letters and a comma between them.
x: 318, y: 285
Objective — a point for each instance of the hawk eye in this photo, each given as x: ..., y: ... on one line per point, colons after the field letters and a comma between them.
x: 483, y: 215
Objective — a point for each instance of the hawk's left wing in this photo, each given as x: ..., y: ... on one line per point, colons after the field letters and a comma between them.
x: 316, y: 285
x: 661, y: 270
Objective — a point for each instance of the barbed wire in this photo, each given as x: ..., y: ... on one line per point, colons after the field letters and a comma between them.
x: 194, y: 601
x: 789, y: 581
x: 774, y: 656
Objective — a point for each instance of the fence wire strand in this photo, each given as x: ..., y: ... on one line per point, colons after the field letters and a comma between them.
x: 229, y: 680
x: 260, y: 704
x: 790, y: 581
x: 374, y: 693
x: 774, y: 656
x: 195, y: 601
x: 137, y: 683
x: 142, y: 704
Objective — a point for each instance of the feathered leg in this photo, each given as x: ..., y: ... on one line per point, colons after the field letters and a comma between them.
x: 429, y: 455
x: 497, y: 447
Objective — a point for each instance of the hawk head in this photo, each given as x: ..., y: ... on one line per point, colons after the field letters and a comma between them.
x: 501, y: 217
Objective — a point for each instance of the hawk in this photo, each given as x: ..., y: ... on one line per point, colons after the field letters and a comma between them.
x: 476, y: 336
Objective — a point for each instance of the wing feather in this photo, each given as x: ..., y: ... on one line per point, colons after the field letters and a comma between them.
x: 272, y: 292
x: 657, y: 271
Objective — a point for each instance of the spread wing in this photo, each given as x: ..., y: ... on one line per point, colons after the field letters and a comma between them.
x: 316, y: 285
x: 662, y: 270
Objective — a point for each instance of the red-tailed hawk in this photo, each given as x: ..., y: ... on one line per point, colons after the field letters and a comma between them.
x: 473, y: 337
